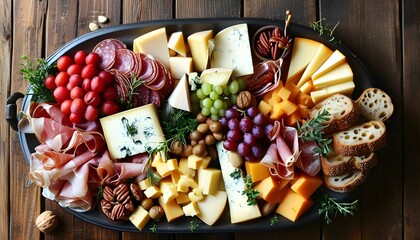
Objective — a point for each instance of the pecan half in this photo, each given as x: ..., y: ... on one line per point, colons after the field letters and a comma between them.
x: 136, y: 192
x: 119, y: 212
x: 117, y: 203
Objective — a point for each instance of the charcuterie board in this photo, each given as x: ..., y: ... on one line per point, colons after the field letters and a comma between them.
x: 127, y: 33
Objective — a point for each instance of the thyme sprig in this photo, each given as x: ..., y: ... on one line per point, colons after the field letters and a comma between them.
x: 153, y: 227
x: 250, y: 192
x: 274, y: 220
x: 178, y: 125
x: 324, y: 30
x: 194, y: 224
x: 328, y: 206
x: 35, y: 75
x: 312, y: 130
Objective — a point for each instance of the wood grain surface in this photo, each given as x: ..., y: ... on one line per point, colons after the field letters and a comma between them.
x: 384, y: 34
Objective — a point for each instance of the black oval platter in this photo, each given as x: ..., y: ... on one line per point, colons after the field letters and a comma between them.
x: 127, y: 33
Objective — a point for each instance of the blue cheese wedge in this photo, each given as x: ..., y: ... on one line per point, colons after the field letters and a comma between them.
x: 239, y: 209
x: 232, y: 50
x: 132, y: 132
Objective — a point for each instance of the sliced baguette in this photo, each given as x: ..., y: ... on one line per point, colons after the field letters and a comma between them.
x: 360, y: 139
x: 336, y: 164
x: 343, y: 112
x: 375, y: 104
x: 346, y: 182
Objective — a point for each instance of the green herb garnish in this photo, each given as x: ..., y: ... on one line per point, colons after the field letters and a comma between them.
x: 250, y: 192
x: 153, y: 227
x: 236, y: 174
x: 194, y: 224
x: 328, y: 207
x: 178, y: 125
x: 323, y: 30
x: 134, y: 84
x: 274, y: 220
x: 100, y: 192
x: 35, y: 75
x: 312, y: 130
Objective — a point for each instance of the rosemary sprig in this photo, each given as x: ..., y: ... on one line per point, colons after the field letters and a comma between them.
x: 274, y: 220
x: 328, y: 206
x: 35, y: 75
x: 178, y: 125
x: 312, y: 130
x: 134, y: 84
x: 323, y: 30
x: 250, y: 192
x: 194, y: 224
x: 153, y: 227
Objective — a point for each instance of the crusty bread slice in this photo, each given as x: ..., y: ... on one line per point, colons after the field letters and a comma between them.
x: 343, y: 112
x: 375, y: 104
x: 336, y: 164
x: 346, y: 182
x: 360, y: 139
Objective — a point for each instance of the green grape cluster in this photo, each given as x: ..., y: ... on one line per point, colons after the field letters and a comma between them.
x: 213, y: 100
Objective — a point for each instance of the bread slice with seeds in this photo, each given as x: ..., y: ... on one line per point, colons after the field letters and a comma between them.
x: 360, y: 139
x: 343, y: 112
x: 336, y: 164
x: 375, y: 104
x: 346, y: 182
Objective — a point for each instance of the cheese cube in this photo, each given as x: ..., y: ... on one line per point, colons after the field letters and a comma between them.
x: 211, y: 207
x: 163, y: 170
x: 176, y: 43
x: 306, y: 185
x: 264, y: 107
x: 171, y: 208
x: 152, y: 192
x: 182, y: 198
x: 144, y: 184
x: 268, y: 189
x: 180, y: 66
x: 194, y: 161
x: 140, y: 217
x: 288, y: 107
x: 191, y: 209
x: 196, y: 194
x: 208, y: 180
x: 257, y: 171
x: 184, y: 169
x: 199, y: 46
x: 206, y: 161
x: 157, y: 159
x: 154, y: 43
x: 133, y: 131
x: 293, y: 205
x: 232, y: 50
x: 172, y: 164
x: 168, y: 189
x: 185, y: 182
x: 175, y: 176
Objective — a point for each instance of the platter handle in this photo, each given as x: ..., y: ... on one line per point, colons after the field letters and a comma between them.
x: 11, y: 110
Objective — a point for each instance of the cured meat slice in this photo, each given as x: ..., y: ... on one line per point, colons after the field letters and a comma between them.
x: 155, y: 98
x: 125, y: 61
x: 106, y: 49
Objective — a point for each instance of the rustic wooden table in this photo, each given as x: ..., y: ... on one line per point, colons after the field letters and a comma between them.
x: 384, y: 34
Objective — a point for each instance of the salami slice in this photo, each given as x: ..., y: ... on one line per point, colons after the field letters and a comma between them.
x: 125, y: 61
x: 106, y: 49
x: 155, y: 98
x: 138, y: 66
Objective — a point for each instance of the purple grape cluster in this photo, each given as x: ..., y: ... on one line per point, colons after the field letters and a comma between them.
x: 246, y: 132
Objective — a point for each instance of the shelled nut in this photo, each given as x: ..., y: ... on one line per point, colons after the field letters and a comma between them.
x: 46, y: 222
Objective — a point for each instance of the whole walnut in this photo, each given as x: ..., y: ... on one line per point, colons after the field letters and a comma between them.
x: 46, y: 222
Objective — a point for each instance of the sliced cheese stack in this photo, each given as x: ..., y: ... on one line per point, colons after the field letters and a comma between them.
x: 187, y: 188
x: 318, y: 71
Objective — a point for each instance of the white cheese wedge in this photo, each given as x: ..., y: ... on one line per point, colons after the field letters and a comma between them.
x: 180, y: 96
x: 340, y: 74
x: 345, y: 88
x: 216, y: 76
x: 176, y: 43
x: 321, y: 55
x: 133, y: 131
x: 154, y: 43
x: 239, y: 209
x: 180, y: 66
x: 302, y: 53
x: 336, y: 59
x: 199, y: 47
x: 212, y: 207
x: 232, y: 50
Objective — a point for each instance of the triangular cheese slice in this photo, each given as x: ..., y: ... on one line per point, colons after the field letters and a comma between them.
x: 345, y: 88
x: 176, y: 43
x: 302, y: 53
x: 180, y: 97
x: 321, y: 55
x: 340, y: 74
x: 332, y: 62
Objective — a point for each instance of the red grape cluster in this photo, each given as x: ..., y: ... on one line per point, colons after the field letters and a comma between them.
x: 82, y: 90
x: 246, y: 132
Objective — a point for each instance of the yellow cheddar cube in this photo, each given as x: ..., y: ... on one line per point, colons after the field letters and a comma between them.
x: 140, y: 217
x: 183, y: 168
x: 293, y: 118
x: 294, y: 90
x: 288, y: 107
x: 293, y: 205
x: 206, y: 161
x: 171, y: 208
x: 267, y: 188
x: 306, y: 185
x: 194, y: 161
x: 208, y: 180
x: 284, y: 93
x: 144, y: 184
x: 168, y: 189
x: 163, y: 170
x: 172, y: 164
x: 277, y: 112
x: 152, y: 192
x: 196, y: 194
x: 185, y: 182
x: 182, y: 199
x: 191, y: 209
x: 175, y: 176
x: 257, y: 171
x: 156, y: 159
